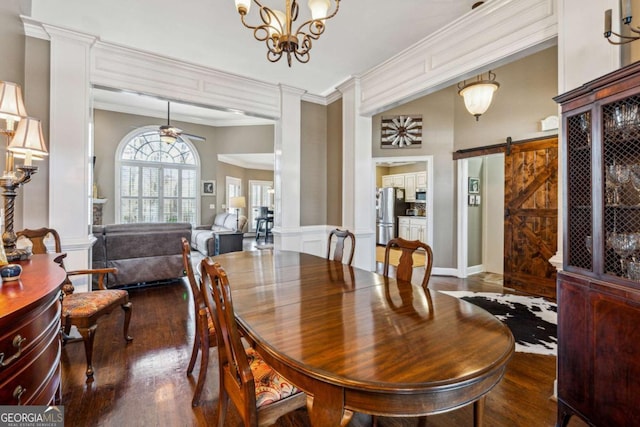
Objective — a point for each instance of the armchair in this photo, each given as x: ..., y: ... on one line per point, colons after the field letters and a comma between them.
x: 82, y: 309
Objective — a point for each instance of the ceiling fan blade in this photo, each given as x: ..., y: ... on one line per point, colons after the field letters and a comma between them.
x: 194, y: 137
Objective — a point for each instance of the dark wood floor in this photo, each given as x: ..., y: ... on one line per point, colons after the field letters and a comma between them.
x: 144, y: 383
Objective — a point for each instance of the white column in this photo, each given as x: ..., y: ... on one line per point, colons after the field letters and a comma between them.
x: 358, y: 179
x: 70, y: 144
x: 286, y: 227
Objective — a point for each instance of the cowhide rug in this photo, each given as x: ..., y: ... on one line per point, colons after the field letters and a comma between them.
x: 532, y: 320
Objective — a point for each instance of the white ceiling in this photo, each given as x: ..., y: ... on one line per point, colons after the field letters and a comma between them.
x: 363, y: 34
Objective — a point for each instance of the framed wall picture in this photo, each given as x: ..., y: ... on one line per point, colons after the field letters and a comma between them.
x: 208, y: 188
x: 474, y: 185
x: 472, y: 199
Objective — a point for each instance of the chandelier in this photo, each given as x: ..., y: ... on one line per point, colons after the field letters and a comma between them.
x: 625, y: 17
x: 478, y: 94
x: 276, y: 29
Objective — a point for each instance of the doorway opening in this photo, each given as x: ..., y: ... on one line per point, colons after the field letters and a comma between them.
x: 411, y: 214
x: 480, y: 219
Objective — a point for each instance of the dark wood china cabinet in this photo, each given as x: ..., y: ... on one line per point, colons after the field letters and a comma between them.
x: 599, y: 290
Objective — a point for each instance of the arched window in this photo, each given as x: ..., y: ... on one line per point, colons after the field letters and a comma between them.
x: 157, y: 181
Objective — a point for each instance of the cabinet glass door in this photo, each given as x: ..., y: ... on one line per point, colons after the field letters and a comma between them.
x: 621, y: 172
x: 579, y: 195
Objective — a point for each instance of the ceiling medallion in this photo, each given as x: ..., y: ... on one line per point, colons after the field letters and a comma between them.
x: 401, y: 131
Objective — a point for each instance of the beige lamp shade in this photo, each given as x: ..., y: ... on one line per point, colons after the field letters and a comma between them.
x: 28, y: 140
x: 237, y: 202
x: 11, y: 103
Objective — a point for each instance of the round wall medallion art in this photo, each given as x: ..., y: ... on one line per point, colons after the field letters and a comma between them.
x: 401, y: 131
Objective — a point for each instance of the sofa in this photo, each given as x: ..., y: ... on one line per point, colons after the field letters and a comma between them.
x: 143, y: 253
x: 203, y: 236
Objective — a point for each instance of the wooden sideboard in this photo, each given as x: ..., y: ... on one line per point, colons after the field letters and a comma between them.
x: 30, y: 342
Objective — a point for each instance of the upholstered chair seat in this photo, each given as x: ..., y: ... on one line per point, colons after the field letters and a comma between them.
x: 270, y: 386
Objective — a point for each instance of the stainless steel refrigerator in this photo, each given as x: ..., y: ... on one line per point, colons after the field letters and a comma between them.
x: 389, y: 204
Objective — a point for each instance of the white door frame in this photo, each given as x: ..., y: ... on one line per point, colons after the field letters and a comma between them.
x: 463, y: 217
x: 463, y: 230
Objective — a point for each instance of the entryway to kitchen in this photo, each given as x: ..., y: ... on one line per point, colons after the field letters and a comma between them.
x: 404, y: 201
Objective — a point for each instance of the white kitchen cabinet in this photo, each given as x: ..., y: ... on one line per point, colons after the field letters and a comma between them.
x: 418, y: 229
x: 404, y: 228
x: 410, y: 187
x: 396, y: 180
x: 421, y: 180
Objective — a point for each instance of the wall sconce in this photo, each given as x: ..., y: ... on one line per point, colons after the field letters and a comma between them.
x: 625, y: 14
x: 26, y: 142
x: 478, y: 94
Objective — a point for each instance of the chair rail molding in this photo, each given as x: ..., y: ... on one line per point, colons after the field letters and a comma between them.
x: 490, y: 35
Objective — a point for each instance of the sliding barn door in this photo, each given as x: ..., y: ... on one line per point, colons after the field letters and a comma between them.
x: 531, y: 216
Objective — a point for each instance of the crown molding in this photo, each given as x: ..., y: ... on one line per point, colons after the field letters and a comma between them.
x: 494, y: 33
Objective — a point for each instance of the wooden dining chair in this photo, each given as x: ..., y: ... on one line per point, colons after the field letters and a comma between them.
x: 404, y: 270
x: 341, y: 236
x: 259, y: 393
x: 82, y: 309
x: 205, y: 334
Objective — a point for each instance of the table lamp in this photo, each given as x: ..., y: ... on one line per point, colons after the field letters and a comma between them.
x: 26, y: 142
x: 237, y: 203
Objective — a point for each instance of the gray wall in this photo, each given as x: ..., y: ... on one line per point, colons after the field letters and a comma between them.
x: 334, y: 163
x: 313, y: 164
x: 474, y: 215
x: 437, y: 112
x: 13, y: 42
x: 36, y: 83
x: 110, y: 127
x: 524, y: 98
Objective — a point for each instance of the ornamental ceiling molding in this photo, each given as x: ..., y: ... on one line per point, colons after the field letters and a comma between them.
x: 490, y: 35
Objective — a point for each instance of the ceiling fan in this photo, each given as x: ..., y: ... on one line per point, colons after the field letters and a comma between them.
x: 169, y: 133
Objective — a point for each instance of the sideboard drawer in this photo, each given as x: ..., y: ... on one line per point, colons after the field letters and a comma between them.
x: 38, y: 368
x: 16, y: 343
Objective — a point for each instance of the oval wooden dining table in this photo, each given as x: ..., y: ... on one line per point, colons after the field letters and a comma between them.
x: 356, y: 341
